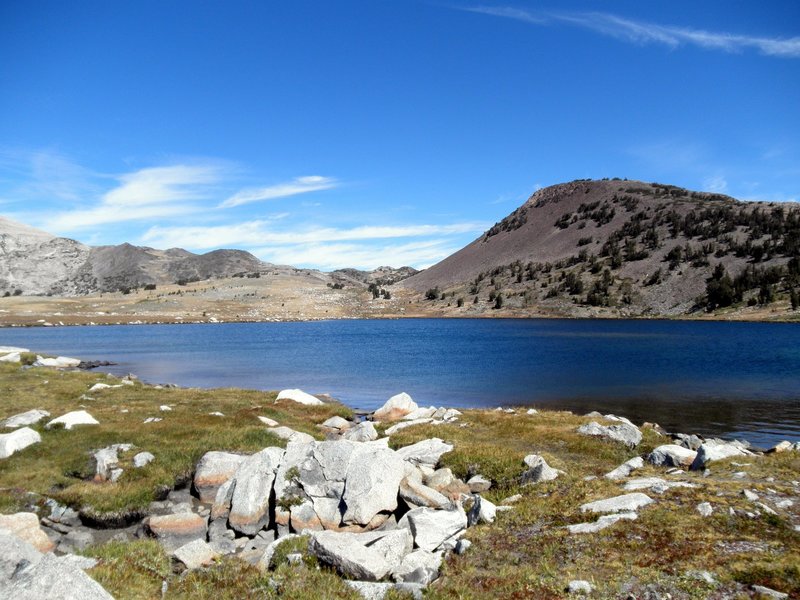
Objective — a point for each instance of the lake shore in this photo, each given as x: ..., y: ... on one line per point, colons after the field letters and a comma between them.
x: 672, y: 545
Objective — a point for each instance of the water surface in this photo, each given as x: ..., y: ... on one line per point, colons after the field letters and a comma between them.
x: 733, y: 379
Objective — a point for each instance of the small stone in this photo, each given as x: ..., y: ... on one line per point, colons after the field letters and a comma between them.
x: 142, y: 459
x: 538, y: 470
x: 268, y: 422
x: 704, y: 576
x: 625, y: 469
x: 462, y: 546
x: 750, y: 495
x: 195, y: 554
x: 765, y: 592
x: 579, y: 586
x: 705, y: 509
x: 478, y: 484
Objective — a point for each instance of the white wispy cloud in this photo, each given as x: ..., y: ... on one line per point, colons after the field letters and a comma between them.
x: 642, y: 32
x: 716, y: 183
x: 259, y: 233
x: 298, y: 185
x: 420, y: 254
x: 151, y: 193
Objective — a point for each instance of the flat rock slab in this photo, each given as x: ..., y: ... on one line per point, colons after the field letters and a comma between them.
x: 602, y: 523
x: 18, y: 440
x: 425, y: 453
x: 76, y: 417
x: 29, y: 417
x: 60, y: 362
x: 300, y: 397
x: 655, y: 484
x: 372, y: 482
x: 624, y: 503
x: 290, y: 435
x: 347, y: 555
x: 174, y: 531
x: 711, y: 452
x: 195, y: 554
x: 625, y: 469
x: 214, y: 469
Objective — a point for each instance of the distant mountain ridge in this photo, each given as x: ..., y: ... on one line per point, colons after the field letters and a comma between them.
x: 34, y: 262
x: 638, y: 248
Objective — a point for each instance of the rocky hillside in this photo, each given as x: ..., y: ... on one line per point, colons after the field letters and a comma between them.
x: 35, y: 262
x: 619, y: 247
x: 380, y: 276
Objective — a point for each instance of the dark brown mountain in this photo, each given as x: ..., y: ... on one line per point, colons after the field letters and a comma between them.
x: 623, y: 248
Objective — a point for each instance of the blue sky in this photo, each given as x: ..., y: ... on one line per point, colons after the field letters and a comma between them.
x: 333, y: 134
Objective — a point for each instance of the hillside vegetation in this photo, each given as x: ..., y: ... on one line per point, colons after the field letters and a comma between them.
x: 624, y: 248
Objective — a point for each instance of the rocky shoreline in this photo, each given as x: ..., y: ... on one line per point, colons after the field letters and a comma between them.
x: 383, y: 518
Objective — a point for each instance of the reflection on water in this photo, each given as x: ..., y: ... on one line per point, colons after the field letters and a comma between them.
x: 739, y: 379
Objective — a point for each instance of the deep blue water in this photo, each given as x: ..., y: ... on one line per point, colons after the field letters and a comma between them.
x: 733, y: 379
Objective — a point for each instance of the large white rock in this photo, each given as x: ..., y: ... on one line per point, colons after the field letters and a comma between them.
x: 15, y: 551
x: 601, y: 523
x: 373, y: 478
x: 624, y: 503
x: 18, y: 440
x: 624, y: 432
x: 11, y: 357
x: 655, y: 484
x: 23, y: 419
x: 374, y: 590
x: 363, y: 432
x: 348, y: 555
x: 300, y: 397
x: 710, y: 452
x: 426, y: 453
x: 538, y: 470
x: 214, y: 469
x: 395, y: 408
x: 625, y: 469
x: 671, y: 455
x: 250, y: 501
x: 431, y: 528
x: 394, y: 545
x: 60, y: 362
x: 76, y: 417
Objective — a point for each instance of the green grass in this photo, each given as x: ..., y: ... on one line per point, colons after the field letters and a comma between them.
x: 526, y: 553
x: 60, y: 465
